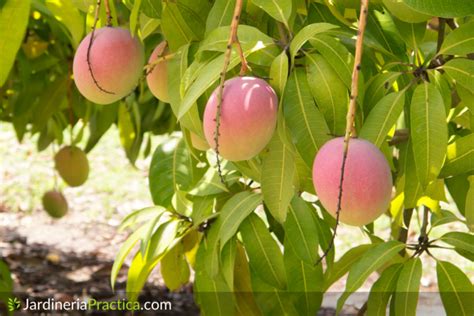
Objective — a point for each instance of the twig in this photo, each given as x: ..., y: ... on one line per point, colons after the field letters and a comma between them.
x: 403, y: 234
x: 423, y: 241
x: 150, y: 66
x: 441, y: 30
x: 362, y: 310
x: 69, y: 102
x: 233, y: 39
x: 400, y: 136
x: 107, y: 13
x: 439, y: 60
x: 451, y: 23
x: 96, y: 18
x: 55, y: 173
x: 424, y: 224
x: 350, y: 129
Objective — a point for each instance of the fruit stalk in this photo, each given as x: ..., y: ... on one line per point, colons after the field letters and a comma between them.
x: 350, y: 128
x: 150, y: 66
x: 96, y: 18
x: 233, y: 39
x: 107, y: 13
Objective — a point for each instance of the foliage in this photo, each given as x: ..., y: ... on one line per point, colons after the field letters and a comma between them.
x: 254, y: 240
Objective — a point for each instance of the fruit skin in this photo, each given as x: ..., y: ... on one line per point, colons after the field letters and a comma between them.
x: 367, y: 186
x: 157, y: 79
x: 72, y: 165
x: 117, y: 61
x: 199, y: 143
x: 248, y: 118
x: 55, y: 204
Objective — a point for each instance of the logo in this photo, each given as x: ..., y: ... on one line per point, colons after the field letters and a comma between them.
x: 13, y: 304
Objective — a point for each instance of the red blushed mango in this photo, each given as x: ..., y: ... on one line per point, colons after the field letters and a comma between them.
x: 248, y: 118
x: 367, y: 186
x: 117, y: 61
x: 157, y: 79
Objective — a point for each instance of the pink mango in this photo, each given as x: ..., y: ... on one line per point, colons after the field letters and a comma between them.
x: 117, y: 61
x: 248, y: 118
x: 367, y: 186
x: 157, y: 79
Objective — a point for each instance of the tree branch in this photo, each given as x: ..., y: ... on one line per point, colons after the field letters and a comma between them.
x: 350, y: 129
x: 233, y: 39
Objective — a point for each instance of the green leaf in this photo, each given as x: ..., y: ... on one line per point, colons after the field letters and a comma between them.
x: 458, y: 187
x: 263, y: 251
x: 170, y: 168
x: 148, y: 26
x: 305, y: 34
x: 378, y: 86
x: 174, y: 268
x: 460, y: 41
x: 212, y: 293
x: 209, y: 184
x: 329, y: 92
x: 100, y: 122
x: 66, y: 13
x: 342, y: 266
x: 307, y: 125
x: 163, y: 239
x: 245, y: 300
x: 456, y: 290
x: 151, y: 225
x: 380, y: 27
x: 300, y: 231
x: 13, y: 21
x: 175, y: 26
x: 428, y: 132
x: 337, y: 55
x: 443, y: 8
x: 141, y: 215
x: 280, y: 10
x: 234, y: 212
x: 151, y: 8
x: 304, y: 282
x: 176, y: 68
x: 382, y: 290
x: 411, y: 33
x: 469, y: 214
x: 123, y: 252
x: 206, y: 77
x: 134, y: 16
x: 220, y: 14
x: 278, y: 171
x: 410, y: 184
x: 382, y: 117
x: 443, y: 217
x: 372, y: 260
x: 324, y: 236
x: 279, y: 73
x: 126, y: 127
x: 403, y: 12
x: 462, y: 71
x: 50, y: 102
x: 408, y: 286
x: 227, y: 257
x: 464, y: 241
x: 249, y: 38
x: 460, y: 157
